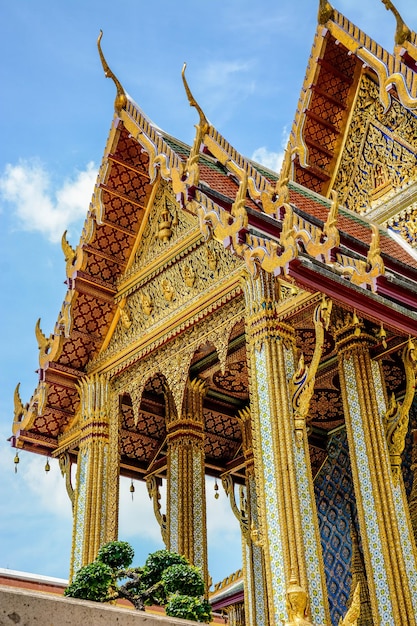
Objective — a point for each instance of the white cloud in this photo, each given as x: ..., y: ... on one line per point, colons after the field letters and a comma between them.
x: 37, y: 206
x: 271, y: 160
x: 225, y: 84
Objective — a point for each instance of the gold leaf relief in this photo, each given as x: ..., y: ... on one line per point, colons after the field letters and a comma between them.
x: 173, y: 289
x: 167, y: 224
x: 379, y: 153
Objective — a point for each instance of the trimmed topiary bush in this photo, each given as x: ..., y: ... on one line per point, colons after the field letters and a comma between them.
x: 92, y: 582
x: 188, y: 607
x: 167, y: 579
x: 116, y: 554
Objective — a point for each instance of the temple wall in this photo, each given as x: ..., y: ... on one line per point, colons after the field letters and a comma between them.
x: 19, y: 606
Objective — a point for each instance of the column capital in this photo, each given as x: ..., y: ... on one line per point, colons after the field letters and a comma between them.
x: 350, y: 334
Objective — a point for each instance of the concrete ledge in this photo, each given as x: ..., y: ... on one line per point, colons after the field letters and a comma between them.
x: 19, y: 607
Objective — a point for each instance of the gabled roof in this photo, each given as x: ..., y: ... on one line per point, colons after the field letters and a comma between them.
x: 339, y: 54
x: 283, y: 227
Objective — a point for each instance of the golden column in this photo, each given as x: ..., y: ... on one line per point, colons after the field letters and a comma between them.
x: 289, y: 532
x: 389, y: 553
x: 96, y: 492
x: 186, y: 492
x: 256, y: 606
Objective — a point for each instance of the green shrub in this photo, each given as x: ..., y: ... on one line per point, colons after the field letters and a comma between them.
x: 158, y: 561
x: 92, y: 582
x: 188, y: 607
x: 116, y: 554
x: 183, y: 579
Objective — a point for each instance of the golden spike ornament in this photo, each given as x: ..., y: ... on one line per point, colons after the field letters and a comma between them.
x: 326, y: 12
x: 402, y: 33
x: 49, y: 348
x: 121, y: 98
x: 272, y: 199
x: 354, y: 611
x: 19, y: 409
x: 363, y: 273
x: 319, y: 243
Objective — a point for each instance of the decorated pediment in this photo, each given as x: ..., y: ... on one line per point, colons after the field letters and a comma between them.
x: 379, y: 155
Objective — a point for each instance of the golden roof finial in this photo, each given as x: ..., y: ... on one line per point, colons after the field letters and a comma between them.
x: 326, y: 12
x: 121, y: 98
x: 402, y: 33
x: 202, y: 127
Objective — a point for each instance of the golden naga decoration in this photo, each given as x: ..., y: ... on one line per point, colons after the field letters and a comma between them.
x: 402, y: 33
x: 302, y: 383
x: 69, y: 254
x: 326, y: 12
x: 155, y: 496
x: 19, y: 410
x: 273, y: 199
x: 363, y: 273
x: 49, y: 348
x: 396, y: 418
x: 271, y: 256
x: 65, y: 467
x: 320, y: 243
x: 121, y: 98
x: 240, y: 514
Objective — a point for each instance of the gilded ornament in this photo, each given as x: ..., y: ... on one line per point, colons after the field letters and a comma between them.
x: 326, y: 12
x: 49, y: 348
x: 319, y: 243
x: 240, y: 514
x: 354, y: 611
x: 302, y: 383
x: 165, y: 223
x: 167, y: 290
x: 146, y: 303
x: 188, y: 275
x: 155, y: 495
x: 211, y: 259
x: 125, y: 317
x: 364, y: 273
x: 396, y: 418
x: 19, y: 410
x: 69, y: 254
x: 297, y: 605
x: 65, y: 467
x: 403, y: 33
x: 121, y: 98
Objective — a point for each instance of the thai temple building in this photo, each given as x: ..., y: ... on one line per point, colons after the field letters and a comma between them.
x: 225, y: 320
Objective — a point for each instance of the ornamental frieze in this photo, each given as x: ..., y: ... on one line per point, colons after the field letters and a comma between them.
x: 379, y: 155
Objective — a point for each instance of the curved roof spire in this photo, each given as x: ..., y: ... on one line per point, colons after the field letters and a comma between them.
x: 121, y: 98
x: 402, y: 33
x: 325, y: 13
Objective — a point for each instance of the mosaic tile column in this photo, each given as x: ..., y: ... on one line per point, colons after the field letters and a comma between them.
x: 289, y: 532
x: 186, y: 491
x: 256, y: 613
x: 385, y: 530
x: 95, y: 510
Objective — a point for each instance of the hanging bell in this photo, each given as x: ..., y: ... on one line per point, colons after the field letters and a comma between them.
x: 16, y: 462
x: 216, y: 490
x: 47, y: 466
x: 132, y: 489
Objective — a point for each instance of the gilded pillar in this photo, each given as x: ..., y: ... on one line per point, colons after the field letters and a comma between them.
x: 96, y: 492
x: 289, y: 532
x: 256, y: 606
x: 389, y: 554
x: 186, y: 493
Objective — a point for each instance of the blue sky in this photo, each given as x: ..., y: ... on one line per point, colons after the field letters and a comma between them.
x: 245, y: 65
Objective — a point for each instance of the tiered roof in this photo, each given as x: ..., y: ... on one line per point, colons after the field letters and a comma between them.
x: 272, y: 222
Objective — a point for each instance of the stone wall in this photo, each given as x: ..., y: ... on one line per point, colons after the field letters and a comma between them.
x: 20, y: 607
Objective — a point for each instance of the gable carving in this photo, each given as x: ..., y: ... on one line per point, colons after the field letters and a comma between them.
x: 173, y: 288
x: 167, y: 224
x: 379, y: 155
